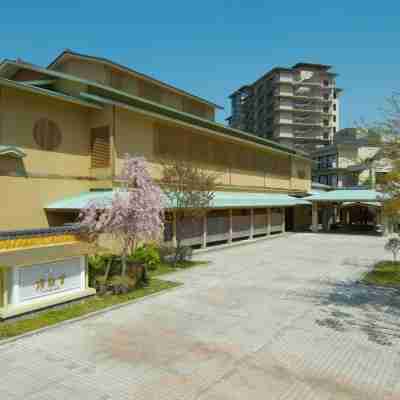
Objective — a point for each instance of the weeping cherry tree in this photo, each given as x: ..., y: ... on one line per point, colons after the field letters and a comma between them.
x: 134, y: 214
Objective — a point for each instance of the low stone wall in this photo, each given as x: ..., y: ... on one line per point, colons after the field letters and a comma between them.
x: 41, y: 268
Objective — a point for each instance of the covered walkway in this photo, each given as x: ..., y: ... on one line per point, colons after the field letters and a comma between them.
x: 347, y: 210
x: 232, y: 216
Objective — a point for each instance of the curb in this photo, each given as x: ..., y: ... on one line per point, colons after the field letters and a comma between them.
x: 239, y: 243
x: 3, y: 342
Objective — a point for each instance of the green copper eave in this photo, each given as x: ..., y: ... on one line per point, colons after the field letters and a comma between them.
x: 49, y: 93
x: 344, y: 195
x: 221, y: 200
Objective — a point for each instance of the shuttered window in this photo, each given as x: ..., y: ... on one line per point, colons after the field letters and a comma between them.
x: 100, y: 147
x: 150, y: 91
x: 193, y: 107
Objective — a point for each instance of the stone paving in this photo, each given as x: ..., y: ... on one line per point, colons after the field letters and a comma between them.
x: 279, y: 319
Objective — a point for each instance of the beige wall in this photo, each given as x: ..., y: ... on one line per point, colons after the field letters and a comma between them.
x: 47, y: 176
x: 20, y: 113
x: 134, y: 134
x: 22, y: 203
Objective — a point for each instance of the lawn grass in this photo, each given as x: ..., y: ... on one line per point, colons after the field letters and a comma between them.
x: 384, y: 273
x: 50, y: 317
x: 46, y: 318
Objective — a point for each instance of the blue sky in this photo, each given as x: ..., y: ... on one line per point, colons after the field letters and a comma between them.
x: 211, y: 48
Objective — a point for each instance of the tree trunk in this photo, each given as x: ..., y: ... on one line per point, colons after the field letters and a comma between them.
x: 107, y: 272
x: 123, y: 259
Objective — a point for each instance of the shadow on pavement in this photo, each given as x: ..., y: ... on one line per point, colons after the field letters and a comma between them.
x: 350, y: 305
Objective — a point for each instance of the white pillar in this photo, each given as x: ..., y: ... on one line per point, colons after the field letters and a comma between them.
x: 204, y: 242
x: 251, y: 223
x: 5, y: 285
x: 14, y: 286
x: 230, y: 226
x: 269, y: 221
x: 283, y: 220
x: 174, y: 229
x: 314, y: 227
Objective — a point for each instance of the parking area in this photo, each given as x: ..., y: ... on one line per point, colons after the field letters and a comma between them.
x: 278, y: 319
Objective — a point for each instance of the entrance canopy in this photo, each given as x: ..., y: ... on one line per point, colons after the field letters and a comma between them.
x: 347, y: 195
x: 350, y: 208
x: 221, y: 200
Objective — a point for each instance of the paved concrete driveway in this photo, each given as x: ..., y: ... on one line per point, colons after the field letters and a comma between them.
x: 279, y: 319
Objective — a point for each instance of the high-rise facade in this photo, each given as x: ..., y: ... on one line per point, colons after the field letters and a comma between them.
x: 296, y: 106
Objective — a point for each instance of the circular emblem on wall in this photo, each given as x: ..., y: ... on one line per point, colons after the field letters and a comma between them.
x: 47, y: 134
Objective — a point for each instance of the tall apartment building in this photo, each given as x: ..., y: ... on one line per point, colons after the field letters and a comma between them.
x: 296, y: 106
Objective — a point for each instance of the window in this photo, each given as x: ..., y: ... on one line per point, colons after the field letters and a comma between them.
x: 47, y: 134
x: 326, y: 109
x: 334, y: 107
x: 334, y: 118
x: 326, y: 82
x: 326, y: 122
x: 100, y: 147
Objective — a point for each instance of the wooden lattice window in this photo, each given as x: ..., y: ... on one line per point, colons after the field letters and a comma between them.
x: 47, y: 134
x: 150, y: 91
x: 100, y: 147
x: 193, y: 107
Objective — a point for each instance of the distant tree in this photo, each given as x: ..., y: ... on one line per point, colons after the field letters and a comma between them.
x: 393, y: 245
x: 388, y: 132
x: 134, y: 214
x: 190, y: 190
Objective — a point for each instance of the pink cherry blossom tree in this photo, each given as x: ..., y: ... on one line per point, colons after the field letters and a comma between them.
x: 134, y: 213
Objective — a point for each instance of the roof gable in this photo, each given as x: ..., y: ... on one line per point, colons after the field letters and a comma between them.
x: 68, y: 54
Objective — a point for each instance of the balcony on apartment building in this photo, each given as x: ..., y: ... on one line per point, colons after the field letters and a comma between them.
x: 301, y: 93
x: 302, y: 121
x: 307, y: 133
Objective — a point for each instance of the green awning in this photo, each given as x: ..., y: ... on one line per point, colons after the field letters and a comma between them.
x: 346, y: 195
x: 221, y: 200
x: 11, y: 151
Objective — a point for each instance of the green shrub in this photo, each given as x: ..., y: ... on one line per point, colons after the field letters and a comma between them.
x: 122, y: 284
x: 148, y: 255
x: 98, y: 265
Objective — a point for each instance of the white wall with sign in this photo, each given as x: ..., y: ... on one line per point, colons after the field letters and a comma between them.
x: 35, y: 282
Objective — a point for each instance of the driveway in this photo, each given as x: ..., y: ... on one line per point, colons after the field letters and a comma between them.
x: 277, y: 319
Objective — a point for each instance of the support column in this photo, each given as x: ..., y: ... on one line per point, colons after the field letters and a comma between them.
x: 15, y: 285
x: 174, y: 241
x: 269, y: 221
x: 204, y: 241
x: 251, y: 223
x: 314, y: 227
x: 4, y: 299
x: 230, y: 226
x: 283, y: 220
x: 86, y: 271
x: 379, y: 217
